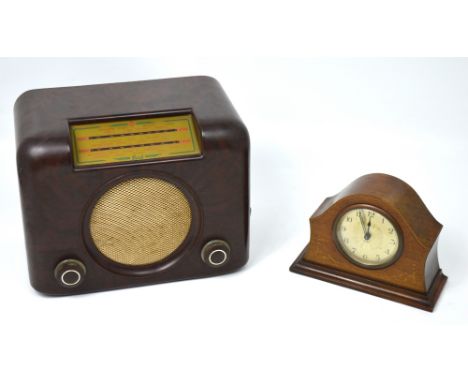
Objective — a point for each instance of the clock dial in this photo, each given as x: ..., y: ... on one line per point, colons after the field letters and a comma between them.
x: 368, y: 237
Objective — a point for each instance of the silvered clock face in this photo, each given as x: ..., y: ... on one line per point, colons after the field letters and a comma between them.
x: 368, y: 237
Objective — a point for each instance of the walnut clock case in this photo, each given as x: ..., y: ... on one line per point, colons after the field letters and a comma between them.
x: 131, y: 184
x: 378, y: 237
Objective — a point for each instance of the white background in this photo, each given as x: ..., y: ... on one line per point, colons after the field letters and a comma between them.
x: 348, y: 117
x: 315, y: 125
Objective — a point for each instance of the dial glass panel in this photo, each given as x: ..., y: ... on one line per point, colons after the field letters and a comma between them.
x: 137, y: 139
x: 367, y: 237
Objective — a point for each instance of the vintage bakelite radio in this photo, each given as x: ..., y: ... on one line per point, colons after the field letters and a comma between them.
x: 131, y: 184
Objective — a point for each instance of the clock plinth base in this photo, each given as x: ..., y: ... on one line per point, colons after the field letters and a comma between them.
x: 425, y: 301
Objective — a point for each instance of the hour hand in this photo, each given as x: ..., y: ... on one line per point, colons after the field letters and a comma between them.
x: 367, y: 234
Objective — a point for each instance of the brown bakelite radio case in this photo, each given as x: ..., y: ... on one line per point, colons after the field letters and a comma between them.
x: 131, y: 184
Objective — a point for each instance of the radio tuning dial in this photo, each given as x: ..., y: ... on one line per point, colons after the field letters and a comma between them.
x: 70, y: 273
x: 216, y: 253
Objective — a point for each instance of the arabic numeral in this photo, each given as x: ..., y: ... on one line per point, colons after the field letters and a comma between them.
x: 349, y: 219
x: 390, y: 230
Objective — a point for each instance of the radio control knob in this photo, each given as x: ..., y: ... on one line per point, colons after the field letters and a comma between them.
x: 70, y: 273
x: 216, y: 253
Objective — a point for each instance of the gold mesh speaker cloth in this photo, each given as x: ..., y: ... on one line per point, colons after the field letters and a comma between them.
x: 140, y: 221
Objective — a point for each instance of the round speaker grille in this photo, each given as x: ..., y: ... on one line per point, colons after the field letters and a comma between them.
x: 140, y: 221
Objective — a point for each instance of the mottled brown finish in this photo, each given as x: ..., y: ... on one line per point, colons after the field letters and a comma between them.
x: 57, y: 199
x: 415, y: 278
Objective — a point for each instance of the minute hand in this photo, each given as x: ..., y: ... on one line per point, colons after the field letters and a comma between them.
x: 363, y: 223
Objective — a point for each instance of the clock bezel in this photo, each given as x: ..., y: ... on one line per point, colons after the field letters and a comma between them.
x: 379, y: 210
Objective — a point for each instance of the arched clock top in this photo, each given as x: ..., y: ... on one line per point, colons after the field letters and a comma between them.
x: 391, y: 194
